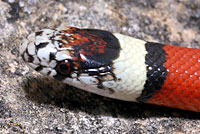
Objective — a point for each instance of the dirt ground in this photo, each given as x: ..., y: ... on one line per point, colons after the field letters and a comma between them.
x: 30, y: 103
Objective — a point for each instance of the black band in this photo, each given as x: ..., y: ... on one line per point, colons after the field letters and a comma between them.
x: 156, y: 71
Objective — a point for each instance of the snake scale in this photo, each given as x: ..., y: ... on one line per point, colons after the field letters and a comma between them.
x: 117, y: 66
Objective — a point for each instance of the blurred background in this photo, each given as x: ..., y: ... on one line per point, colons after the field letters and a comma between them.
x: 30, y: 103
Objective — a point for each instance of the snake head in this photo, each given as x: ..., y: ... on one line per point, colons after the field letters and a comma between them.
x: 71, y: 52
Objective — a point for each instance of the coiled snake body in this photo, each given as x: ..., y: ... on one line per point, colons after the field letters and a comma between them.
x: 117, y: 66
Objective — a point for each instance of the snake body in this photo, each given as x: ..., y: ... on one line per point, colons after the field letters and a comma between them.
x: 117, y: 66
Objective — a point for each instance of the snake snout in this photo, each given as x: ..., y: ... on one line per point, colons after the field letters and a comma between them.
x: 27, y: 51
x: 37, y: 50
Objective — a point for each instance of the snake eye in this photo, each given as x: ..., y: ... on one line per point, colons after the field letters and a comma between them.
x: 64, y: 68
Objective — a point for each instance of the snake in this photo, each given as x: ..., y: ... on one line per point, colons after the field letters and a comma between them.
x: 117, y: 66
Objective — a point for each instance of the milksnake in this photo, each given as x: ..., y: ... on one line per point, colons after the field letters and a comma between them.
x: 117, y: 66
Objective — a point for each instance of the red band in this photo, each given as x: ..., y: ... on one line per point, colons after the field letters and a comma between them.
x: 181, y: 88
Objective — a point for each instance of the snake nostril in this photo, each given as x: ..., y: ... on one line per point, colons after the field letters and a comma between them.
x: 27, y: 58
x: 30, y: 58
